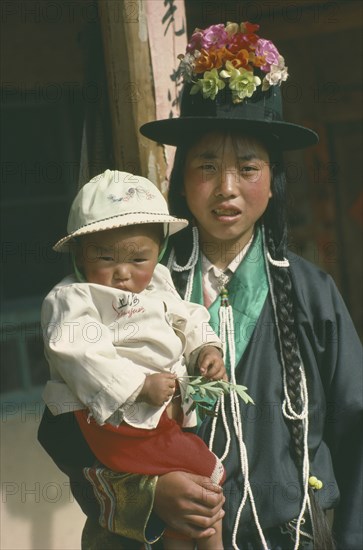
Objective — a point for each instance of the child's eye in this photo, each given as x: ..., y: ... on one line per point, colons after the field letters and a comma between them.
x: 106, y: 258
x: 139, y: 260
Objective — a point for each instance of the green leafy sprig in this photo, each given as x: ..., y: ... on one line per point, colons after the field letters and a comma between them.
x: 204, y: 393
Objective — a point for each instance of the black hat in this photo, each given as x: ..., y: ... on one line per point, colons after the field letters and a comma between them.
x: 260, y: 115
x: 259, y: 112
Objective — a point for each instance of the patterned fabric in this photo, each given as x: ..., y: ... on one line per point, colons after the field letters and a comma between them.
x: 123, y: 500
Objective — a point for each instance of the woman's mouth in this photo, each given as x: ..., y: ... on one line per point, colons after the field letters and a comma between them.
x: 226, y: 213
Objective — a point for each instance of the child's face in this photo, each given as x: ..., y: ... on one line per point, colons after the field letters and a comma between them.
x: 123, y: 258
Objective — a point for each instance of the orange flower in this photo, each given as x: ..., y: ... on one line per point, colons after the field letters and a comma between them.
x: 257, y: 60
x: 240, y: 59
x: 213, y: 59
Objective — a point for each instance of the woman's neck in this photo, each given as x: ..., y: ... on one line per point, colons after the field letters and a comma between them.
x: 221, y: 252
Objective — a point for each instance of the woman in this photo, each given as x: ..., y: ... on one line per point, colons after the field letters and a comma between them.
x: 288, y: 336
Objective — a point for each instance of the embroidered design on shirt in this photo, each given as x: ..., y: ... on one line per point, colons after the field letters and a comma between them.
x: 132, y: 192
x: 127, y: 306
x: 130, y: 299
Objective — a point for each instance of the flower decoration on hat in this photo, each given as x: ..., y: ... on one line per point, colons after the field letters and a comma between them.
x: 231, y: 56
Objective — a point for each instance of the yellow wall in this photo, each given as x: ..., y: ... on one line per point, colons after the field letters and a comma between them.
x: 37, y: 509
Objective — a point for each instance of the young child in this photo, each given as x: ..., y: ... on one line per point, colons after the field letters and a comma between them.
x: 118, y: 337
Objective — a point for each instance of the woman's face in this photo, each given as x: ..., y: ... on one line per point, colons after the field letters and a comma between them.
x: 227, y: 187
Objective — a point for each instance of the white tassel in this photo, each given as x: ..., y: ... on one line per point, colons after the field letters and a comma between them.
x: 277, y: 263
x: 227, y: 336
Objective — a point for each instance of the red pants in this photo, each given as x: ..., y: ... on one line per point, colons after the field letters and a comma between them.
x: 163, y: 449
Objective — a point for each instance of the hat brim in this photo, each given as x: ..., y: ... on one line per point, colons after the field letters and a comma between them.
x: 178, y: 131
x: 175, y: 225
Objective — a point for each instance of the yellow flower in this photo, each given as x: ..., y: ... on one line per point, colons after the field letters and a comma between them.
x: 243, y: 84
x: 232, y: 28
x: 209, y: 85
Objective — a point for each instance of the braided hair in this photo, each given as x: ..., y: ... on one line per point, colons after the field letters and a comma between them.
x: 274, y: 221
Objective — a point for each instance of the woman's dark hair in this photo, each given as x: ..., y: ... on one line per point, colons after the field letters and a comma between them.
x: 275, y: 224
x: 181, y: 241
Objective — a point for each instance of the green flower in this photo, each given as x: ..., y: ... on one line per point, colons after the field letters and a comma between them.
x: 209, y: 85
x: 230, y: 71
x: 243, y: 84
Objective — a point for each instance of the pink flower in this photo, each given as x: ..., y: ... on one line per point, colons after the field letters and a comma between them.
x: 266, y: 49
x: 195, y: 41
x: 221, y: 56
x: 215, y: 35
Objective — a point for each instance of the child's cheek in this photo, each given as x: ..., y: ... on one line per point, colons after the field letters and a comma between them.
x: 145, y: 277
x: 98, y: 275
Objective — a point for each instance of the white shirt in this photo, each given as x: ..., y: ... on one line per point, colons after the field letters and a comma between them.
x: 212, y: 275
x: 102, y: 342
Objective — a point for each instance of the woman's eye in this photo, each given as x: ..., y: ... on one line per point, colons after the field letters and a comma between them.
x: 208, y: 167
x: 250, y: 173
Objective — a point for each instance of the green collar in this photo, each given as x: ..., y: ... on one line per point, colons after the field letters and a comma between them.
x: 247, y: 292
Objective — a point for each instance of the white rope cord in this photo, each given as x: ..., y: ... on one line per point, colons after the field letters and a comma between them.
x: 306, y: 466
x: 228, y: 342
x: 290, y: 413
x: 172, y: 265
x: 220, y: 406
x: 189, y: 287
x: 237, y: 421
x: 227, y: 337
x: 277, y: 263
x: 214, y: 424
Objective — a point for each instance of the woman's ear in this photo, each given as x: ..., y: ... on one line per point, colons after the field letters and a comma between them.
x: 272, y: 169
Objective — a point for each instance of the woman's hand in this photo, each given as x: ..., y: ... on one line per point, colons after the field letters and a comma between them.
x: 189, y: 503
x: 158, y: 388
x: 211, y: 364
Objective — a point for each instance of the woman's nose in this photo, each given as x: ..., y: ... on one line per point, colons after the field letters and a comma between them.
x: 228, y: 183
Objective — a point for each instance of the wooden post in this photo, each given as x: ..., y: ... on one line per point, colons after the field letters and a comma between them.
x: 130, y: 87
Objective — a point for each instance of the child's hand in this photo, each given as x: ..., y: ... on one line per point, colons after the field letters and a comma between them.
x: 158, y: 388
x: 210, y: 363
